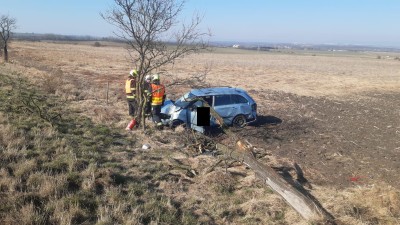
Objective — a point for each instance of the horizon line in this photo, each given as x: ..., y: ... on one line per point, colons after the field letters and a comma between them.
x: 296, y: 43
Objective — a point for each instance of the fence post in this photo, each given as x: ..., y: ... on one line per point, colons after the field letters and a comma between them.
x: 108, y: 87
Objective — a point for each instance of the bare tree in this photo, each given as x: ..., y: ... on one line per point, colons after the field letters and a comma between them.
x: 155, y: 36
x: 7, y: 24
x: 1, y: 47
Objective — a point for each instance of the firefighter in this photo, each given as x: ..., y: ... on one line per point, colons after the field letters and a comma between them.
x: 130, y: 90
x: 146, y: 86
x: 157, y: 92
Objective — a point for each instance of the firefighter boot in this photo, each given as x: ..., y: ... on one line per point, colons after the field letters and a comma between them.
x: 131, y: 125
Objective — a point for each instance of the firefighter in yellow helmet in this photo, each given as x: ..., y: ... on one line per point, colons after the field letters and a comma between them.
x: 157, y: 92
x: 130, y: 90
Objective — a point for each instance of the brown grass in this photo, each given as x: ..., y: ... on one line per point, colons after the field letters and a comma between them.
x: 326, y: 74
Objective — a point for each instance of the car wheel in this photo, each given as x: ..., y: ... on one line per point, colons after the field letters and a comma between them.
x: 239, y: 121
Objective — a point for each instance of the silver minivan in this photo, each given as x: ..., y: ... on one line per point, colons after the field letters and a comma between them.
x: 234, y: 105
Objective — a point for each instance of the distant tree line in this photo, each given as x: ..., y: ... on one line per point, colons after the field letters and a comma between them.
x: 59, y: 37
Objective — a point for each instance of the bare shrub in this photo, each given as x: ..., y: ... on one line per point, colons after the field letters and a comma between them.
x: 97, y: 44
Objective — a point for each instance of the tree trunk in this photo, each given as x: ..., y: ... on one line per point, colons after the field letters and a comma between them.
x: 139, y: 115
x: 5, y: 53
x: 142, y: 112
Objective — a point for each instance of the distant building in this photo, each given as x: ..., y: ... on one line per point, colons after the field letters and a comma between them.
x: 235, y: 46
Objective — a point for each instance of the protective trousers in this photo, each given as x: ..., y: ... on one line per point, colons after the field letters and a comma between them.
x: 156, y: 111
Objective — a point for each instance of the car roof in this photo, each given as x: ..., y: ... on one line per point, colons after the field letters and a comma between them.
x: 217, y: 91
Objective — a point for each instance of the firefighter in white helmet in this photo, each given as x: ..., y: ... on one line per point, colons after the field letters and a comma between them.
x: 157, y: 92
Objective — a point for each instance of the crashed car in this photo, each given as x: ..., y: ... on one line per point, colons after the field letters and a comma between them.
x: 234, y: 105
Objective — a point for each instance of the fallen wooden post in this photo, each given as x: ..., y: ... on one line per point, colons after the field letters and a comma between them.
x: 303, y: 203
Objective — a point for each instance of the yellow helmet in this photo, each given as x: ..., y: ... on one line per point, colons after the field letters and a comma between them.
x: 155, y: 77
x: 133, y: 73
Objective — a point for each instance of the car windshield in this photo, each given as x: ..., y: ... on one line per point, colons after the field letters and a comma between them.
x: 185, y: 99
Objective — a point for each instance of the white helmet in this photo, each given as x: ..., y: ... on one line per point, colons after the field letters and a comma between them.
x: 147, y: 78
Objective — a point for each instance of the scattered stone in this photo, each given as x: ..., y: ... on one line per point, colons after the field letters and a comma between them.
x: 146, y: 146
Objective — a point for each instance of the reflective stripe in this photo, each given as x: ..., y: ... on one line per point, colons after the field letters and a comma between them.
x: 128, y: 86
x: 158, y: 91
x: 129, y: 90
x: 157, y: 101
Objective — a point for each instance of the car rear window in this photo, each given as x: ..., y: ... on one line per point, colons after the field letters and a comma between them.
x: 237, y: 99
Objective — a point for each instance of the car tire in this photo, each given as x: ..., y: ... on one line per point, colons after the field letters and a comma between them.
x: 239, y: 121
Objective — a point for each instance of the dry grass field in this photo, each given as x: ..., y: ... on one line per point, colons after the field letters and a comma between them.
x: 66, y: 158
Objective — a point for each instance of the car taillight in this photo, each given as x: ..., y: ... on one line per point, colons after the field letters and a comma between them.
x: 254, y: 107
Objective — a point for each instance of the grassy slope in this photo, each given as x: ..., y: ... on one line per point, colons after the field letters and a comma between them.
x: 59, y: 167
x: 54, y: 167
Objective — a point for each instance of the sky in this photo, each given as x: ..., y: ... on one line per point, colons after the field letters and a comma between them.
x: 362, y: 22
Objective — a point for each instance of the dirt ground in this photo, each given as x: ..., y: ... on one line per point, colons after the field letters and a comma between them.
x: 337, y: 115
x: 337, y: 142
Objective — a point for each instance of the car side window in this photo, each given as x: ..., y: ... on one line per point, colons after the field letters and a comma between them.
x: 208, y: 99
x: 238, y: 99
x: 222, y: 100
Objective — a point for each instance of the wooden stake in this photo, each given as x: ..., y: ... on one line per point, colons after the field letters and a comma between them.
x: 108, y: 87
